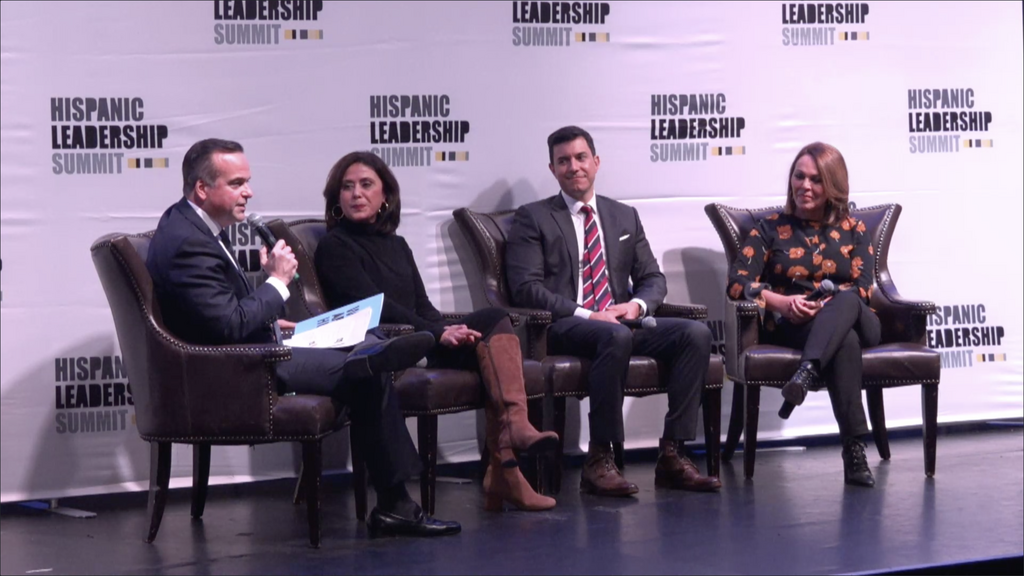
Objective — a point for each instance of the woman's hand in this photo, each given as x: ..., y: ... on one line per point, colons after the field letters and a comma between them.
x: 797, y: 309
x: 801, y: 310
x: 459, y: 335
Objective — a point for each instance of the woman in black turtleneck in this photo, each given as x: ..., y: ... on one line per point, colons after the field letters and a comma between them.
x: 362, y: 256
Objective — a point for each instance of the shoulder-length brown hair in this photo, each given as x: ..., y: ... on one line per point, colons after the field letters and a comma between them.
x: 391, y: 213
x: 834, y: 180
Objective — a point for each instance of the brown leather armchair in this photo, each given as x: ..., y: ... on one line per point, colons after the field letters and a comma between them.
x: 424, y: 393
x: 202, y: 395
x: 566, y: 376
x: 902, y: 359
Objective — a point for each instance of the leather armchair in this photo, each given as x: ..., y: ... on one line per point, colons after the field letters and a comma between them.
x: 424, y: 393
x: 902, y: 358
x: 567, y: 376
x: 202, y: 395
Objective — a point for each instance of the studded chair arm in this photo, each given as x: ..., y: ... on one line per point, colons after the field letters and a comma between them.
x: 742, y: 326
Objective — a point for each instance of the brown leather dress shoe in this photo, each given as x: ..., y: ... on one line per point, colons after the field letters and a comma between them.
x: 677, y: 472
x: 601, y: 476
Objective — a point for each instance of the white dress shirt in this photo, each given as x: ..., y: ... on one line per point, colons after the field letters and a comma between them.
x: 578, y: 220
x: 216, y: 229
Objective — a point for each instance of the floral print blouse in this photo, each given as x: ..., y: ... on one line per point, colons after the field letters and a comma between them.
x: 789, y: 255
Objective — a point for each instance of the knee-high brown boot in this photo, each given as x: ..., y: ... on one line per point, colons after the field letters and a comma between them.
x: 503, y: 484
x: 501, y: 369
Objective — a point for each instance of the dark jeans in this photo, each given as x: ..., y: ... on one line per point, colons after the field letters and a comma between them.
x: 835, y: 338
x: 684, y: 346
x: 378, y: 427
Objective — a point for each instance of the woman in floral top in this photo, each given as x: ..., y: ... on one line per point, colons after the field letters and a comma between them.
x: 784, y: 258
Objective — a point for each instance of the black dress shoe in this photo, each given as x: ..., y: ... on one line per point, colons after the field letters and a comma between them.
x: 855, y: 464
x: 388, y: 524
x: 805, y: 378
x: 388, y: 355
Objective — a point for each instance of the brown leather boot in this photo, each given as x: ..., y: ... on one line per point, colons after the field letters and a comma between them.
x: 676, y: 471
x: 601, y: 476
x: 501, y: 369
x: 508, y: 485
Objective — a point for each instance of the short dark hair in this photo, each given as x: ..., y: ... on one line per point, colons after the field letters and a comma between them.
x: 391, y: 214
x: 198, y: 162
x: 568, y: 134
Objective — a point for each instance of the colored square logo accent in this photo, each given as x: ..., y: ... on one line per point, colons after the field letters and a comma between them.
x: 976, y: 143
x: 854, y: 36
x: 303, y: 34
x: 593, y: 37
x: 451, y: 156
x: 135, y: 163
x: 728, y: 150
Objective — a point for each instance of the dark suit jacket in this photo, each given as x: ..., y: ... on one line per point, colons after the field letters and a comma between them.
x: 542, y: 257
x: 204, y: 298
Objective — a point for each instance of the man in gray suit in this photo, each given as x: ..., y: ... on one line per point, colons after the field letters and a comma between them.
x: 585, y: 258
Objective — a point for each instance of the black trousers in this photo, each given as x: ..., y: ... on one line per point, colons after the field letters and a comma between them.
x: 378, y: 427
x: 835, y: 338
x: 487, y: 322
x: 684, y: 346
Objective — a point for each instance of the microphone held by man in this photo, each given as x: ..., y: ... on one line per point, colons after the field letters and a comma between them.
x: 637, y: 323
x: 269, y: 240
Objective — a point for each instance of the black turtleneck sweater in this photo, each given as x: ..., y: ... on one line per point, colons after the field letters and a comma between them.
x: 353, y: 262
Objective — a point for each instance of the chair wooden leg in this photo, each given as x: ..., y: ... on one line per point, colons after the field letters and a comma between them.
x: 713, y: 428
x: 736, y: 415
x: 359, y: 483
x: 753, y: 409
x: 159, y: 482
x: 427, y: 436
x: 299, y: 494
x: 312, y: 464
x: 930, y: 417
x: 555, y: 482
x: 200, y: 478
x: 876, y: 412
x: 533, y: 470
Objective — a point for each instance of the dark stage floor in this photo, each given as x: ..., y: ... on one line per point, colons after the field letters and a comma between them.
x: 796, y: 517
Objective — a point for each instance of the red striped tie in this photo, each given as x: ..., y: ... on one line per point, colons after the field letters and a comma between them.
x: 597, y: 294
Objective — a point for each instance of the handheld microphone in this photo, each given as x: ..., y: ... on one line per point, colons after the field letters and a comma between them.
x: 637, y: 323
x: 269, y: 240
x: 826, y: 288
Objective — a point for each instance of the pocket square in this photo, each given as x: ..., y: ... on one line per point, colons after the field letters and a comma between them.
x: 623, y: 237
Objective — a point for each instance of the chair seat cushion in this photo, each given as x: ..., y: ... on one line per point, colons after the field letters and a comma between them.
x: 443, y: 391
x: 566, y: 375
x: 305, y: 416
x: 886, y: 366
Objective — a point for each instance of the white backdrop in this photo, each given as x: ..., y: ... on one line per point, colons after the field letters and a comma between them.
x: 301, y: 98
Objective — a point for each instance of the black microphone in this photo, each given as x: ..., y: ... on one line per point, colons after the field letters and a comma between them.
x: 255, y: 221
x: 637, y: 323
x: 826, y: 288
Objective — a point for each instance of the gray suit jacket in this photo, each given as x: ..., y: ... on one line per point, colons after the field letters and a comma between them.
x: 542, y: 257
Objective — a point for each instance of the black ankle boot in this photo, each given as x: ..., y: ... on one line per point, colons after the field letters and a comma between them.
x: 805, y: 378
x: 855, y: 464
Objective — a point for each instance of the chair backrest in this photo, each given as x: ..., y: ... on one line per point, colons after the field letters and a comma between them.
x: 487, y: 234
x: 734, y: 224
x: 178, y: 389
x: 303, y: 236
x: 120, y: 262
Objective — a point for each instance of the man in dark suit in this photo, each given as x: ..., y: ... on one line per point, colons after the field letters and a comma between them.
x: 585, y: 259
x: 206, y: 299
